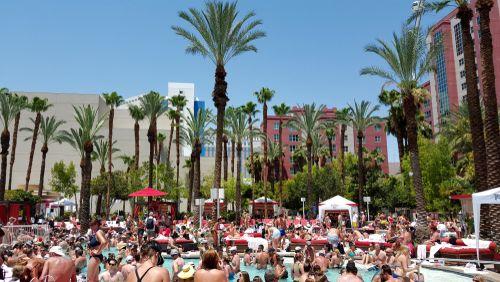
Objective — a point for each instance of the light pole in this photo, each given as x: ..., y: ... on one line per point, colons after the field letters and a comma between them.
x: 303, y: 200
x: 199, y: 202
x: 418, y: 7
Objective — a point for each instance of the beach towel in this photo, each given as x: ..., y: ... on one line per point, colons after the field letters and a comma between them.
x: 472, y: 243
x: 421, y: 251
x: 434, y: 249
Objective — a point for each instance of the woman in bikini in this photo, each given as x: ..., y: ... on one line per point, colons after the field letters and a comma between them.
x: 97, y: 243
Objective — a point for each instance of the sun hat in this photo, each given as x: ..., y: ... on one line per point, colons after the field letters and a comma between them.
x: 186, y: 272
x: 58, y: 251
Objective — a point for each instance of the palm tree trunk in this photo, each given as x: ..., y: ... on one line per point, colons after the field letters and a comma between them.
x: 264, y: 164
x: 233, y: 147
x: 238, y: 183
x: 151, y: 140
x: 343, y: 129
x: 361, y: 169
x: 98, y: 206
x: 136, y: 136
x: 225, y: 158
x: 252, y: 174
x: 33, y: 146
x: 491, y: 127
x: 475, y: 115
x: 280, y: 169
x: 4, y: 141
x: 410, y: 111
x: 110, y: 159
x: 44, y: 150
x: 401, y: 145
x: 170, y: 140
x: 191, y: 181
x: 309, y: 172
x: 85, y: 190
x: 178, y: 148
x: 330, y: 148
x: 14, y: 146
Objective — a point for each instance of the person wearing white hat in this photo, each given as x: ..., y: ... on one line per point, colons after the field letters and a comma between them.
x: 187, y: 273
x: 128, y: 267
x: 235, y: 259
x: 177, y: 263
x: 58, y: 267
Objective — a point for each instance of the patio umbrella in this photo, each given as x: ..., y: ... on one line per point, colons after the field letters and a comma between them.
x: 147, y: 192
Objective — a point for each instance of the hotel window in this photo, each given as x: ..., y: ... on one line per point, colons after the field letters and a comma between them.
x: 461, y: 62
x: 464, y: 86
x: 458, y: 39
x: 462, y: 73
x: 346, y: 149
x: 345, y: 138
x: 426, y: 103
x: 276, y: 125
x: 334, y: 148
x: 377, y: 139
x: 378, y: 127
x: 276, y: 137
x: 293, y: 138
x: 291, y: 160
x: 427, y: 114
x: 292, y: 148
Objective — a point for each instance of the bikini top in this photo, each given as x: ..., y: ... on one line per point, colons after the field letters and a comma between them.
x: 139, y: 278
x: 93, y: 242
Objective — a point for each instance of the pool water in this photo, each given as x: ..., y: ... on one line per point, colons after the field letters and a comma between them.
x: 331, y: 274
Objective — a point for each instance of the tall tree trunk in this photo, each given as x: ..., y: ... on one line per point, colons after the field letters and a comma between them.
x: 191, y: 181
x: 233, y: 147
x: 44, y: 150
x: 159, y: 151
x: 152, y: 142
x: 178, y: 148
x: 4, y: 141
x: 136, y: 136
x: 238, y: 183
x: 343, y: 129
x: 224, y: 140
x: 33, y: 146
x: 361, y: 169
x: 110, y: 159
x: 401, y: 145
x: 170, y: 140
x: 330, y: 147
x: 280, y: 169
x: 98, y: 206
x: 491, y: 127
x: 14, y: 146
x: 410, y: 111
x: 197, y: 177
x: 475, y: 115
x: 264, y: 163
x: 85, y: 190
x: 252, y: 168
x: 309, y: 198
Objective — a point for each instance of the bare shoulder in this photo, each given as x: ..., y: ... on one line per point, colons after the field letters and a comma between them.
x: 161, y: 271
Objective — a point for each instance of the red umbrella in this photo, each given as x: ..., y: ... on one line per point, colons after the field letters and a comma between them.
x: 147, y: 192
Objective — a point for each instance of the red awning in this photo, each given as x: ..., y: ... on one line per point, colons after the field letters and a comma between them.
x: 147, y: 192
x: 461, y: 197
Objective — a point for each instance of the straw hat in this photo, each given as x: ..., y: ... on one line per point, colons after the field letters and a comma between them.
x: 186, y: 272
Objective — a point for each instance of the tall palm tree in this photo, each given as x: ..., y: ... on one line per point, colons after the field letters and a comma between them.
x: 113, y: 100
x: 342, y: 117
x: 9, y: 108
x: 153, y: 106
x: 196, y: 133
x: 308, y: 121
x: 491, y: 128
x: 219, y: 35
x: 395, y: 122
x: 225, y: 161
x: 100, y: 154
x: 263, y: 97
x: 38, y: 106
x: 281, y: 111
x: 50, y: 133
x: 23, y: 100
x: 172, y: 116
x: 178, y: 102
x: 250, y: 108
x: 273, y: 155
x: 229, y: 115
x: 159, y: 151
x: 408, y: 63
x: 330, y: 133
x: 82, y: 140
x: 361, y: 117
x: 137, y: 113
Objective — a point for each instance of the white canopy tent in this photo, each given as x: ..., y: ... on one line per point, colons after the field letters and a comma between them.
x: 337, y: 203
x: 63, y: 202
x: 492, y: 197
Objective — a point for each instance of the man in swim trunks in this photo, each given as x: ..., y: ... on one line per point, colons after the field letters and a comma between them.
x: 262, y: 258
x: 281, y: 224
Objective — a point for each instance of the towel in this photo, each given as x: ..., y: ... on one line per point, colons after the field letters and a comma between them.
x: 472, y: 243
x: 421, y: 251
x: 434, y: 249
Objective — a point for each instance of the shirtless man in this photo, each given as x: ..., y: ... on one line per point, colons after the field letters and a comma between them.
x: 111, y: 274
x: 210, y: 270
x: 379, y: 257
x: 235, y: 259
x: 351, y: 274
x: 177, y: 263
x: 80, y: 260
x: 262, y: 258
x: 129, y: 267
x: 322, y: 261
x: 281, y: 224
x: 149, y: 269
x: 58, y: 266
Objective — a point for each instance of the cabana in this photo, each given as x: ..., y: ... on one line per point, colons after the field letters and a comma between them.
x: 258, y: 207
x: 336, y: 205
x: 488, y: 197
x: 61, y: 206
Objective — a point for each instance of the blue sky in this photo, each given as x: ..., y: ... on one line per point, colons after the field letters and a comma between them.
x: 312, y: 53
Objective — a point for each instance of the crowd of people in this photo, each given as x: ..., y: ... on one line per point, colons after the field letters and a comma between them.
x: 70, y: 254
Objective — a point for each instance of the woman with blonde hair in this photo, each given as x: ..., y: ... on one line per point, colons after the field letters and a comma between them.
x: 402, y: 264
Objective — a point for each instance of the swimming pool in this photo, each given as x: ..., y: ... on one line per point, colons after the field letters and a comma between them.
x: 332, y: 274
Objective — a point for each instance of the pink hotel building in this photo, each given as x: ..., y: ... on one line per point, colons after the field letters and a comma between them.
x: 447, y: 84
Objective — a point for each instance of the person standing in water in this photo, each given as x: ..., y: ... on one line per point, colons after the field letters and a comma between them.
x: 97, y: 243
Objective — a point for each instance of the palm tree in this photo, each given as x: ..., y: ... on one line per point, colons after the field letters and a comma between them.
x: 159, y: 151
x: 225, y: 140
x: 456, y: 129
x: 361, y: 117
x: 229, y: 115
x: 153, y: 106
x: 308, y: 121
x: 172, y: 116
x: 273, y: 155
x: 219, y: 35
x: 330, y: 133
x: 113, y: 100
x: 250, y: 108
x: 137, y: 113
x: 100, y: 154
x: 50, y: 133
x: 342, y: 117
x: 408, y: 62
x: 395, y: 122
x: 196, y: 133
x: 178, y: 102
x: 263, y: 97
x: 9, y: 107
x: 281, y: 111
x: 23, y: 100
x: 37, y: 105
x: 82, y: 140
x: 491, y: 128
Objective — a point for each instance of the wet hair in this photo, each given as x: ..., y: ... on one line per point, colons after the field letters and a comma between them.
x: 78, y: 252
x: 269, y: 276
x: 244, y: 277
x: 386, y: 269
x: 351, y: 267
x: 210, y: 259
x: 257, y: 279
x: 307, y: 266
x: 95, y: 222
x: 149, y: 249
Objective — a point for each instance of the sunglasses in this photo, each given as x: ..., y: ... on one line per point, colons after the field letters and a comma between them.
x: 112, y: 263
